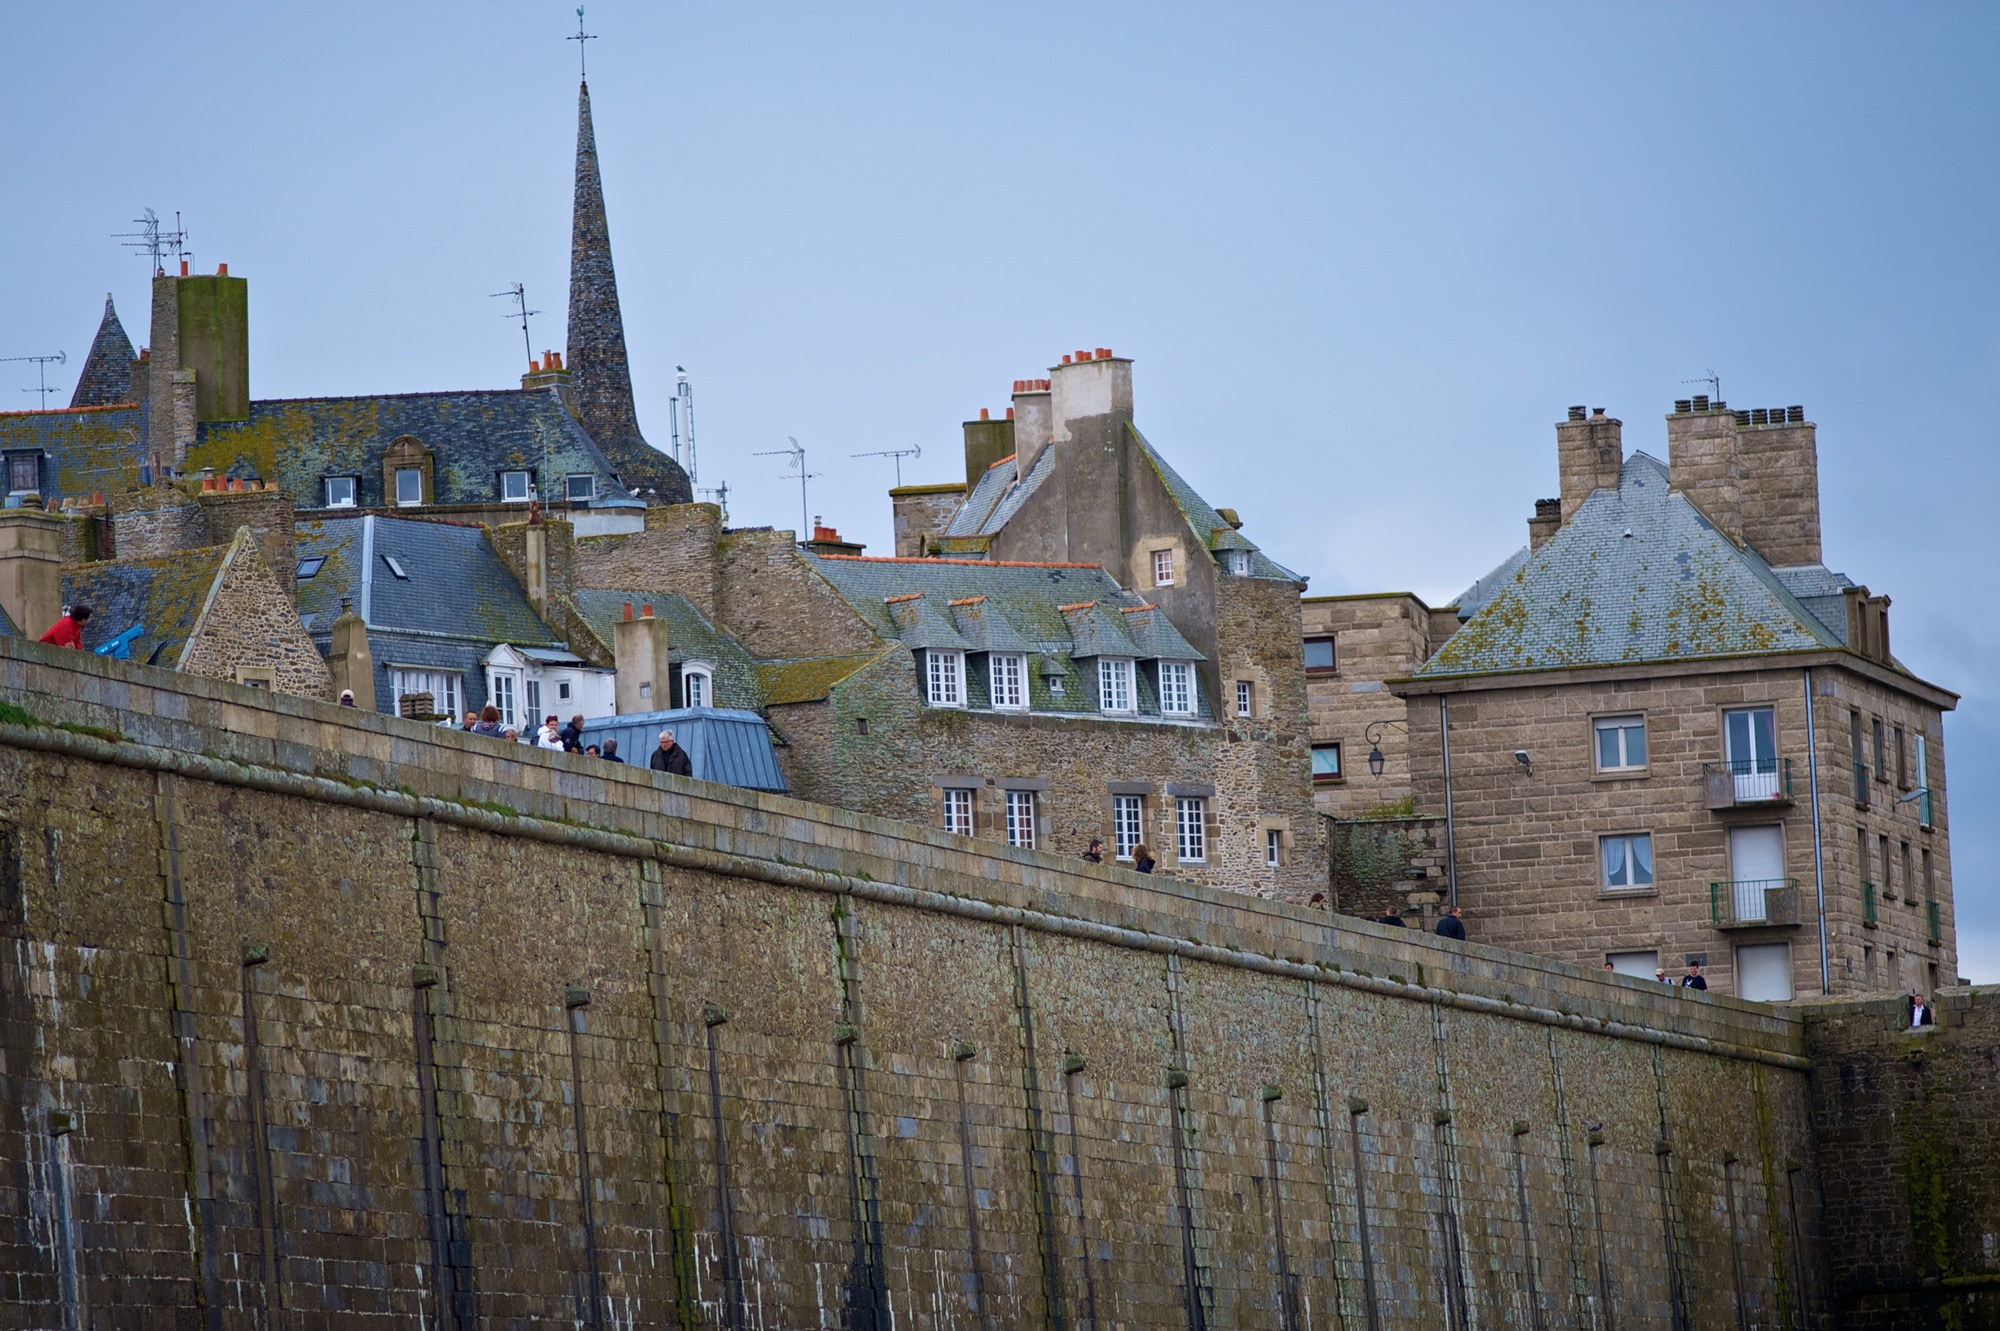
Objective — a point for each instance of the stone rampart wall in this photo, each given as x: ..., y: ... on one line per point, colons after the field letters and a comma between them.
x: 323, y: 1011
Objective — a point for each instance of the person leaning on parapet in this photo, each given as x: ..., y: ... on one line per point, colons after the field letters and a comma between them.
x: 1142, y: 859
x: 548, y: 737
x: 610, y: 754
x: 1693, y: 979
x: 68, y: 631
x: 1451, y: 925
x: 347, y: 697
x: 671, y: 757
x: 1920, y: 1012
x: 1096, y: 852
x: 572, y: 734
x: 488, y: 722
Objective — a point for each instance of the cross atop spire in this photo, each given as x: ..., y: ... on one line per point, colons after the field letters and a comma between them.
x: 580, y: 37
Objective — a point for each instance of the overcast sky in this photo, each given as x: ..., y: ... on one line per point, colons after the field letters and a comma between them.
x: 1364, y: 257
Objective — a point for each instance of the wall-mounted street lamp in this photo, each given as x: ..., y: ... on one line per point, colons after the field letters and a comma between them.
x: 1373, y: 734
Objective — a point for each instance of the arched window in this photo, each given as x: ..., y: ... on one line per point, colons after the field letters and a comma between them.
x: 697, y: 684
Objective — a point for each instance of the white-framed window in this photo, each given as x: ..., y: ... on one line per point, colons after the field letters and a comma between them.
x: 339, y: 491
x: 1191, y: 828
x: 1163, y: 568
x: 534, y: 708
x: 1008, y: 676
x: 1128, y: 822
x: 442, y: 685
x: 697, y: 686
x: 515, y: 487
x: 1627, y: 859
x: 958, y: 812
x: 1274, y: 846
x: 1764, y: 972
x: 580, y: 489
x: 409, y: 486
x: 944, y: 678
x: 500, y: 691
x: 1236, y: 563
x: 1246, y: 698
x: 1114, y: 685
x: 1021, y: 819
x: 1621, y: 743
x: 562, y: 690
x: 1176, y: 688
x: 1750, y: 744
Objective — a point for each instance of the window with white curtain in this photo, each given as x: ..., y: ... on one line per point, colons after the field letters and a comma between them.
x: 1114, y: 685
x: 944, y: 678
x: 1021, y: 819
x: 1176, y: 688
x: 1008, y: 676
x: 1191, y: 828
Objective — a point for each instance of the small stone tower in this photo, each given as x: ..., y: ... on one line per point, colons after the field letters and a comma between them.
x: 600, y: 377
x: 107, y: 371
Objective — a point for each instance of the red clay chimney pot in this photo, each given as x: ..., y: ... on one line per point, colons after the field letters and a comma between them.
x: 628, y: 610
x: 184, y: 267
x: 222, y: 270
x: 1010, y: 413
x: 645, y: 612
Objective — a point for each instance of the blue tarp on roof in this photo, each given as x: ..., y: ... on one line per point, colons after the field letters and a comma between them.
x: 725, y: 745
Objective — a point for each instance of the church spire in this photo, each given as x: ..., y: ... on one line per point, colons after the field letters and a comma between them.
x: 600, y: 377
x: 107, y: 371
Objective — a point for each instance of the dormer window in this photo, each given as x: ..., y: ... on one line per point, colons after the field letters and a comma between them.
x: 515, y: 487
x: 1008, y: 678
x: 24, y: 472
x: 340, y: 491
x: 1115, y: 693
x: 580, y: 489
x: 1236, y: 563
x: 697, y: 685
x: 944, y: 678
x: 409, y: 487
x: 1177, y: 688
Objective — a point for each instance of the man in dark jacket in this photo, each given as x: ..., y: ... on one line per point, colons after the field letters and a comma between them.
x: 572, y: 734
x: 671, y: 757
x: 1451, y: 926
x: 1694, y: 979
x: 1392, y: 917
x: 610, y: 754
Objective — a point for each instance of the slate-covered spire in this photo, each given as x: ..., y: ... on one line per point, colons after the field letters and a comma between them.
x: 600, y: 379
x: 107, y: 372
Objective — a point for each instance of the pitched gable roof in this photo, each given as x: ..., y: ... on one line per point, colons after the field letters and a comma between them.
x: 1210, y: 528
x: 165, y: 594
x: 690, y: 637
x: 1637, y: 574
x: 456, y: 585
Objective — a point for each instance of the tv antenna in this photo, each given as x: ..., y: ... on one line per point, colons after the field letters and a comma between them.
x: 681, y: 402
x: 1714, y: 382
x: 913, y: 451
x: 521, y: 312
x: 155, y: 240
x: 42, y: 364
x: 721, y: 496
x: 580, y: 37
x: 797, y: 453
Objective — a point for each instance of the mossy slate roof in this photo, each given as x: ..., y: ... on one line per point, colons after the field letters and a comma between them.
x: 457, y: 586
x: 166, y: 594
x: 1637, y: 574
x: 690, y: 637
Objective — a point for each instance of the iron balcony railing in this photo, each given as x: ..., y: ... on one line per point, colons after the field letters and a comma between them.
x: 1868, y: 906
x: 1936, y: 921
x: 1752, y: 901
x: 1760, y: 781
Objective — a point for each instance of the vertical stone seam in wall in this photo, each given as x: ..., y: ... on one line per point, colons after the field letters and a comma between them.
x: 1041, y: 1148
x: 1071, y: 1069
x: 1536, y: 1319
x: 1774, y: 1210
x: 1608, y: 1310
x: 1579, y: 1279
x: 1460, y: 1294
x: 673, y: 1098
x: 1368, y: 1299
x: 1674, y: 1226
x: 866, y: 1294
x: 1336, y: 1225
x: 1288, y: 1289
x: 1736, y: 1280
x: 979, y: 1307
x: 264, y: 1199
x: 187, y: 1058
x: 441, y: 1082
x: 590, y: 1285
x: 725, y: 1201
x: 1197, y: 1298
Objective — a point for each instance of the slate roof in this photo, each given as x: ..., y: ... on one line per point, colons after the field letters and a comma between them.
x: 690, y: 637
x: 457, y: 586
x: 996, y: 497
x: 1096, y: 629
x: 7, y: 629
x: 809, y: 678
x: 921, y: 623
x: 106, y: 376
x: 473, y: 437
x: 86, y: 449
x: 1637, y: 574
x: 985, y: 627
x: 166, y: 594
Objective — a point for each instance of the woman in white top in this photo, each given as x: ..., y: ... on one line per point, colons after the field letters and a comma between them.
x: 547, y: 737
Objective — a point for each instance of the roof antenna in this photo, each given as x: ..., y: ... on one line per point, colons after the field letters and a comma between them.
x: 580, y: 37
x: 1714, y: 382
x: 721, y: 494
x: 155, y: 241
x: 913, y: 451
x: 797, y: 453
x: 682, y: 400
x: 42, y: 364
x: 521, y: 311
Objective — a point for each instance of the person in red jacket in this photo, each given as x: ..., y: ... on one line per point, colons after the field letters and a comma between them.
x: 68, y: 631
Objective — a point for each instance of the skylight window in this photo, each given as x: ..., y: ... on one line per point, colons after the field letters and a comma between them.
x: 395, y: 567
x: 309, y: 566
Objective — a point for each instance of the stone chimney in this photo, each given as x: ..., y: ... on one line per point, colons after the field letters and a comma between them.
x: 645, y: 679
x: 1867, y: 624
x: 349, y: 658
x: 31, y: 568
x: 535, y: 573
x: 199, y: 367
x: 921, y: 513
x: 1091, y: 402
x: 1034, y: 421
x: 1090, y: 397
x: 1545, y: 523
x: 826, y: 541
x: 1777, y: 468
x: 1701, y: 462
x: 1590, y: 450
x: 549, y: 373
x: 987, y: 442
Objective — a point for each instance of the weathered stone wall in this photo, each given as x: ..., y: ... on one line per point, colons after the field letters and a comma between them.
x: 271, y: 519
x: 250, y: 629
x: 337, y: 1014
x: 158, y: 520
x: 1908, y: 1127
x: 1375, y: 638
x: 921, y: 513
x: 676, y: 553
x: 776, y: 606
x: 1377, y: 863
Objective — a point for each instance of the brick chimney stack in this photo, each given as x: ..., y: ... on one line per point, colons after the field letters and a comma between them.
x: 1590, y: 452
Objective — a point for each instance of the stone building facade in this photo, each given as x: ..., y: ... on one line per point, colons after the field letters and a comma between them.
x: 1651, y: 740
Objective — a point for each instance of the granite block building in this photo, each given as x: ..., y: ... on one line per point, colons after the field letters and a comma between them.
x: 1667, y: 730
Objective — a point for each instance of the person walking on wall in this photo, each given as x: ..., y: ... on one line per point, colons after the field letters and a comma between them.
x: 1096, y: 852
x: 68, y: 631
x: 1451, y: 925
x: 1142, y: 859
x: 670, y: 757
x: 610, y: 754
x: 1693, y: 979
x: 572, y: 734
